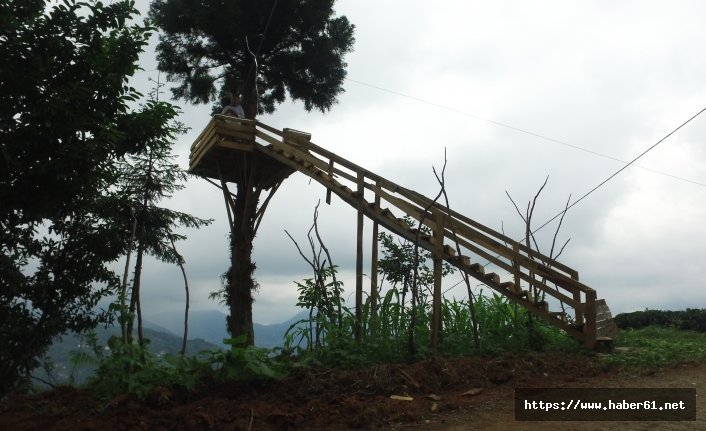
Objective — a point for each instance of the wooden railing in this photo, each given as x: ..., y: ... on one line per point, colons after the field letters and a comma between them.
x: 534, y: 280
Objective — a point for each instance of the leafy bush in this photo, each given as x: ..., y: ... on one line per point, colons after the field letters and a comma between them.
x: 128, y: 369
x: 242, y: 363
x: 693, y: 319
x: 690, y: 319
x: 132, y: 369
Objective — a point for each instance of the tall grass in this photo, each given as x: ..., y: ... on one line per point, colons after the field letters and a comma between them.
x: 649, y: 348
x: 503, y: 326
x: 400, y: 328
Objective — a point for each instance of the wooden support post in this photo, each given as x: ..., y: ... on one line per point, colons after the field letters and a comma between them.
x: 589, y: 329
x: 578, y: 315
x: 359, y: 262
x: 328, y: 191
x: 516, y: 267
x: 436, y: 322
x: 374, y: 270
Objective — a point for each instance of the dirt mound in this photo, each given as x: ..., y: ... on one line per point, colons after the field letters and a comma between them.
x: 369, y: 398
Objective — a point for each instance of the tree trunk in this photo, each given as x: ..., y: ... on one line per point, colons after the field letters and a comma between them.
x: 249, y: 97
x: 135, y: 309
x: 141, y: 220
x: 241, y: 282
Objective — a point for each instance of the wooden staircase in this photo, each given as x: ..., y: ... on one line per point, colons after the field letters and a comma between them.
x: 528, y: 278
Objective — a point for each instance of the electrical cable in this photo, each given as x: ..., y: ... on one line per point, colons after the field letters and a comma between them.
x: 527, y: 132
x: 619, y: 170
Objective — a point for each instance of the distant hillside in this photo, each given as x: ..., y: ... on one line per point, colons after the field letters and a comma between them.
x: 207, y: 329
x: 162, y: 341
x: 210, y: 325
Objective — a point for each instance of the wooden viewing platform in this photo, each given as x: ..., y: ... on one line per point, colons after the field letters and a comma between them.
x: 226, y: 144
x: 227, y: 147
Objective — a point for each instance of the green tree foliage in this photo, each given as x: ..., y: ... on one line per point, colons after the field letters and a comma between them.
x: 691, y: 319
x: 299, y: 46
x: 146, y: 178
x: 401, y: 262
x: 64, y: 121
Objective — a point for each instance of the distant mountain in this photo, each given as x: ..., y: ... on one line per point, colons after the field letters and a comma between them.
x: 161, y: 341
x: 207, y: 329
x: 273, y: 335
x: 210, y: 325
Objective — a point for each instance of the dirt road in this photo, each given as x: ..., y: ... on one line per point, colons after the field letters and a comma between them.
x: 497, y: 411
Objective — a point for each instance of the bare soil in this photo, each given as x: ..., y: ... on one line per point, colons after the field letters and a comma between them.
x: 357, y: 399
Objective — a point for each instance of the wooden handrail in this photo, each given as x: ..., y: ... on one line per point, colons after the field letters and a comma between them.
x: 341, y: 176
x: 476, y: 231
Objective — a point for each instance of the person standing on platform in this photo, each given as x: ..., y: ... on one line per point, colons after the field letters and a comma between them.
x: 234, y: 108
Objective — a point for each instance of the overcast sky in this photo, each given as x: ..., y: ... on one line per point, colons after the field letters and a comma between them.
x: 509, y: 89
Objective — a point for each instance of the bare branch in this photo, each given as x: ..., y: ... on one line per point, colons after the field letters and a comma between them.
x: 261, y: 211
x: 562, y: 249
x: 556, y: 232
x: 516, y: 207
x: 530, y: 212
x: 300, y: 251
x: 466, y: 279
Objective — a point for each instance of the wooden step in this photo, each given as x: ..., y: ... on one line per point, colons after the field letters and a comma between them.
x: 495, y: 278
x: 422, y: 236
x: 450, y: 251
x: 561, y: 315
x: 465, y: 260
x: 522, y: 294
x: 542, y: 305
x: 509, y: 285
x: 477, y: 267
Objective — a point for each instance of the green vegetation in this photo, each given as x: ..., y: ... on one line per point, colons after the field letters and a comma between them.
x: 133, y: 369
x: 503, y: 327
x: 645, y: 349
x: 652, y: 339
x: 400, y: 328
x: 689, y: 319
x: 66, y: 120
x: 79, y: 175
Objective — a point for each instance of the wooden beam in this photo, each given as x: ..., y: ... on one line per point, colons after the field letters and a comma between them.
x: 359, y: 264
x: 328, y: 191
x: 589, y: 328
x: 236, y: 146
x: 438, y: 256
x: 374, y: 272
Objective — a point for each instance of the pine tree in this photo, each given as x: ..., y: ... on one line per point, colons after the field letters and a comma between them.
x: 264, y: 51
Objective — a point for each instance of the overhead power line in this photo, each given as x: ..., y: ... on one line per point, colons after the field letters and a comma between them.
x: 520, y: 130
x: 620, y: 170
